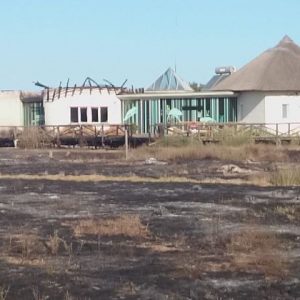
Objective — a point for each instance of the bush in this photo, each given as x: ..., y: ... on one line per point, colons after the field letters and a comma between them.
x: 33, y: 138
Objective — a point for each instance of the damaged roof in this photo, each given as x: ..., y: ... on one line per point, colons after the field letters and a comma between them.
x: 276, y: 69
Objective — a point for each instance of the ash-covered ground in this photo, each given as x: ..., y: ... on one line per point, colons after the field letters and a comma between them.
x: 118, y: 239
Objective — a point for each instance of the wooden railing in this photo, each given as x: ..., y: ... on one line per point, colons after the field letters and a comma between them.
x: 90, y: 135
x: 94, y: 135
x: 276, y: 132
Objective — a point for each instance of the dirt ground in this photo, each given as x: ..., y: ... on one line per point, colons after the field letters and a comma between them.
x: 103, y: 238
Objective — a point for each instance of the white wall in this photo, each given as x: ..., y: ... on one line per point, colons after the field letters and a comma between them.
x: 58, y: 111
x: 274, y: 112
x: 11, y: 109
x: 251, y: 107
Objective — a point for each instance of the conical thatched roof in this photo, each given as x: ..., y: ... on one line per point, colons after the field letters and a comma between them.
x: 277, y: 69
x: 169, y: 81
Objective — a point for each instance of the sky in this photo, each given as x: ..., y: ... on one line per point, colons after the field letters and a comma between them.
x: 51, y: 41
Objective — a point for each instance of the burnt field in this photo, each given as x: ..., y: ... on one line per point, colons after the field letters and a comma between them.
x: 89, y: 225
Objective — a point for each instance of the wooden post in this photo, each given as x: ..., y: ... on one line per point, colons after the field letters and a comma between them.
x: 74, y: 90
x: 15, y: 137
x: 58, y: 137
x: 102, y: 136
x: 81, y: 137
x: 67, y: 87
x: 59, y: 90
x: 95, y: 136
x: 126, y: 142
x: 277, y: 135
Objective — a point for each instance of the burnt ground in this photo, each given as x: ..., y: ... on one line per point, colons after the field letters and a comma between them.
x: 196, y: 242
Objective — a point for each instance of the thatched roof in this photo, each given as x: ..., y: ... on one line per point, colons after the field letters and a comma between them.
x: 277, y: 69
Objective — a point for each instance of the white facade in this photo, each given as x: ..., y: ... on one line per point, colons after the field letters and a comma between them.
x: 280, y: 111
x: 11, y: 108
x: 251, y: 107
x: 84, y: 103
x: 283, y: 109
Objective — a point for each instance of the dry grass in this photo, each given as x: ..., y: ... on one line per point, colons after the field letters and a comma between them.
x: 126, y: 225
x: 291, y: 212
x: 25, y: 244
x: 32, y: 262
x: 255, y: 250
x: 219, y: 152
x: 53, y: 243
x: 260, y: 180
x: 232, y: 137
x: 33, y: 138
x: 4, y: 292
x: 285, y: 177
x: 97, y: 178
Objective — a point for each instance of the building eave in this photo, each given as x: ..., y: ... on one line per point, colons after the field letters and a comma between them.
x: 176, y: 95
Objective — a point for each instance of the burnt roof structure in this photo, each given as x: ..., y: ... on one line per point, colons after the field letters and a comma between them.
x: 276, y: 69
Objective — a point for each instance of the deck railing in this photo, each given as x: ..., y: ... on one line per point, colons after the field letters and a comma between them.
x: 90, y: 134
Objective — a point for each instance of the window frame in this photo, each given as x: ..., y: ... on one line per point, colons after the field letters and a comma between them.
x: 77, y: 119
x: 86, y: 114
x: 101, y: 108
x: 93, y: 109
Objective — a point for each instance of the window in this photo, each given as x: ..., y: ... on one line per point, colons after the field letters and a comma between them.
x: 169, y: 103
x: 207, y: 113
x: 104, y: 115
x: 284, y: 111
x: 74, y: 114
x: 221, y: 110
x: 95, y: 115
x: 83, y: 114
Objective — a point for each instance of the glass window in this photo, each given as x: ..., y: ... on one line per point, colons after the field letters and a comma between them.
x: 221, y: 110
x: 104, y: 114
x: 207, y: 106
x: 232, y: 109
x: 83, y: 114
x: 284, y: 111
x: 74, y: 114
x: 95, y: 115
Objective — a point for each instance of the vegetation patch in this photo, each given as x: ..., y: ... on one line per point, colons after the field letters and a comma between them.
x: 292, y: 212
x: 254, y: 250
x: 126, y: 225
x: 195, y: 151
x: 285, y: 177
x: 33, y: 138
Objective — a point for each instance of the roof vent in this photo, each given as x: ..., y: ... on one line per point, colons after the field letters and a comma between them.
x: 225, y: 70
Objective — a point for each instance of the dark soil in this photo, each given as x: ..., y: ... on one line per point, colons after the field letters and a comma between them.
x: 184, y: 256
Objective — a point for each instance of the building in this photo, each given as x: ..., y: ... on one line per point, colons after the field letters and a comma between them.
x: 268, y: 87
x: 82, y: 105
x: 169, y: 99
x: 266, y: 90
x: 19, y: 108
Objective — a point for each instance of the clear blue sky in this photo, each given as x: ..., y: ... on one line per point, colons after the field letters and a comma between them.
x: 53, y: 40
